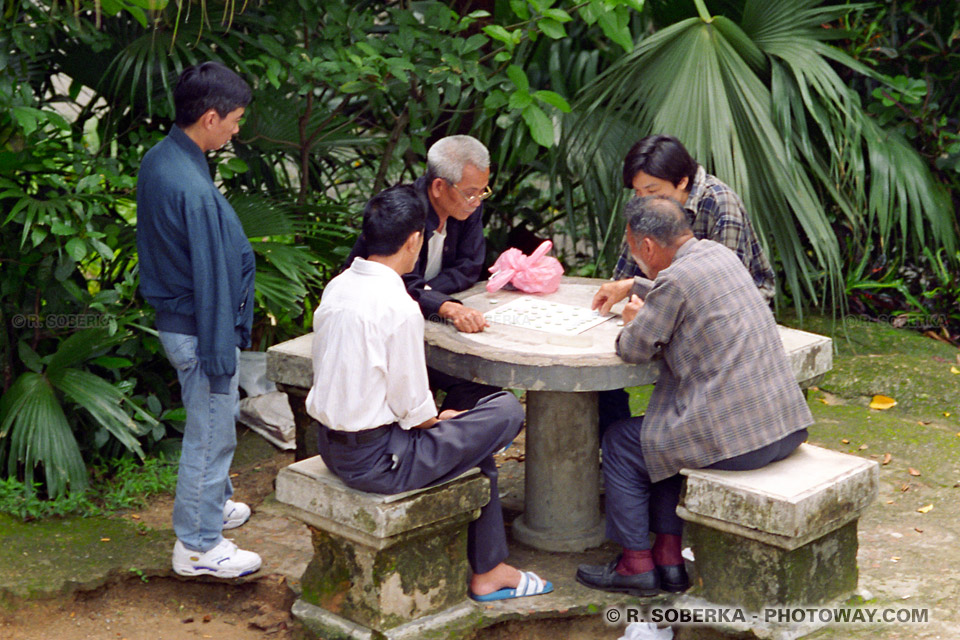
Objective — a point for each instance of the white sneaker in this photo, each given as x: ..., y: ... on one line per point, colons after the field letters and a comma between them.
x: 223, y: 561
x: 235, y: 514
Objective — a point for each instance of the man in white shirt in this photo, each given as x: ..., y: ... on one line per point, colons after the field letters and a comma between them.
x: 455, y: 186
x: 380, y: 431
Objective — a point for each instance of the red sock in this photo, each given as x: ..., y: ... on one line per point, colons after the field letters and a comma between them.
x: 633, y: 562
x: 666, y: 550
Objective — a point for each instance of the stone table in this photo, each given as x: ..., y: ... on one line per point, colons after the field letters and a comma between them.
x: 562, y: 376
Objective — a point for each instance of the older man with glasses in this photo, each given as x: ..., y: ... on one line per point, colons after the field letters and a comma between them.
x: 455, y: 185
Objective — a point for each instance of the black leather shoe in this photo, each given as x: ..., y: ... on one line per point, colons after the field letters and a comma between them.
x: 673, y: 578
x: 606, y: 578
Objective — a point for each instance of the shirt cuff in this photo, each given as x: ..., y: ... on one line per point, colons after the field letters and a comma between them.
x: 419, y: 414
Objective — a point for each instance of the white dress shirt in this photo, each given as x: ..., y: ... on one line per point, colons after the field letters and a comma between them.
x: 369, y: 367
x: 435, y: 254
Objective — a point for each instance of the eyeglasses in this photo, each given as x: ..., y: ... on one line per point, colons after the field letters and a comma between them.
x: 477, y: 197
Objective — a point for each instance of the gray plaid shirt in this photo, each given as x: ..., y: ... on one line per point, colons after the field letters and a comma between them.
x: 715, y: 212
x: 725, y: 386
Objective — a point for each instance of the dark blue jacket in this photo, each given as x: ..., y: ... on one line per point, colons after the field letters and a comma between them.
x: 464, y: 251
x: 196, y: 264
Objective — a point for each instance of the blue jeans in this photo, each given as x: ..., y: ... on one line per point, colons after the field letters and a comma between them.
x: 209, y: 439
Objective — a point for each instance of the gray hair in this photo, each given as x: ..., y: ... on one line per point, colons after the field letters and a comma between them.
x: 662, y: 219
x: 448, y: 156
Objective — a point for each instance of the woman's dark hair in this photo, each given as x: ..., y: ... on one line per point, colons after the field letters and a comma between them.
x: 390, y: 217
x: 205, y: 86
x: 660, y: 156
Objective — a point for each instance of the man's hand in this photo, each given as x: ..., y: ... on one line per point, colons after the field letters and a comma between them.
x: 449, y: 414
x: 610, y: 294
x: 630, y: 311
x: 463, y: 318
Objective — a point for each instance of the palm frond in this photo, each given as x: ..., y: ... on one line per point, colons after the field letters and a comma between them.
x: 39, y: 435
x: 104, y: 403
x: 760, y: 106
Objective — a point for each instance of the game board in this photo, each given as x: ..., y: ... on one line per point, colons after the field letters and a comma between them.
x: 542, y: 315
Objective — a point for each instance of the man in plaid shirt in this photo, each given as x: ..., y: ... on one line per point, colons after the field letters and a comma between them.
x: 660, y: 165
x: 726, y: 397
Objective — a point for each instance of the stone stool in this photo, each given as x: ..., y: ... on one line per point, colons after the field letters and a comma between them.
x: 784, y: 534
x: 383, y: 566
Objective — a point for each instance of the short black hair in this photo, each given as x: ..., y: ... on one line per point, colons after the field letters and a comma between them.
x: 205, y: 86
x: 660, y: 156
x: 662, y: 219
x: 390, y: 217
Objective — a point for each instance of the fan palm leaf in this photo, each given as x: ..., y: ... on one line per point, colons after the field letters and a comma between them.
x: 758, y: 103
x: 34, y: 429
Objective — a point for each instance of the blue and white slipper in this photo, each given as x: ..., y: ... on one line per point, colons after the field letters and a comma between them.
x: 530, y: 585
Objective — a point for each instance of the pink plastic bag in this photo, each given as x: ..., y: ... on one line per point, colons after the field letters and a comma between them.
x: 536, y: 273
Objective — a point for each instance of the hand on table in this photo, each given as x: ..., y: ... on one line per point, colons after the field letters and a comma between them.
x: 610, y: 294
x: 630, y: 311
x: 463, y: 318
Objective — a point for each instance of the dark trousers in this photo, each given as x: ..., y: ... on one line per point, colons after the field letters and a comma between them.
x: 461, y: 394
x: 635, y: 506
x: 404, y: 460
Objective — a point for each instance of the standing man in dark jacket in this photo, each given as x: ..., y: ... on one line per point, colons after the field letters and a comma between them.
x: 451, y: 259
x: 197, y: 270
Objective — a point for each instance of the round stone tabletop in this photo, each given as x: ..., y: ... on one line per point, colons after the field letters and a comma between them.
x: 522, y: 358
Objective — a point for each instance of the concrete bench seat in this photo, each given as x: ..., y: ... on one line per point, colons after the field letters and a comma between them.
x: 783, y: 534
x: 383, y: 565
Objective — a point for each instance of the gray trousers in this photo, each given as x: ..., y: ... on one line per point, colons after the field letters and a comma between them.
x: 404, y: 460
x: 636, y: 506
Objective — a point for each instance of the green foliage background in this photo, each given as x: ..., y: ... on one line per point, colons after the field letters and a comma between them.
x: 348, y: 96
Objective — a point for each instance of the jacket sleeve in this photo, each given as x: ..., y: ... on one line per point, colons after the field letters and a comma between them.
x: 645, y: 337
x: 213, y: 310
x: 428, y: 299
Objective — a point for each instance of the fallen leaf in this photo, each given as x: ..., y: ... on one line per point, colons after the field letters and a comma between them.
x: 895, y: 559
x: 923, y: 423
x: 187, y: 620
x: 845, y: 441
x: 887, y: 458
x: 913, y: 471
x: 863, y: 446
x: 135, y: 516
x: 823, y: 400
x: 946, y: 414
x: 104, y: 539
x: 904, y: 487
x: 918, y: 529
x: 955, y: 371
x: 882, y: 403
x: 234, y: 475
x: 207, y: 618
x: 925, y: 509
x: 889, y: 501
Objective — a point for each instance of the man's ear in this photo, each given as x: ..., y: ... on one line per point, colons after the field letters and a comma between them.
x: 684, y: 183
x: 208, y: 119
x: 413, y: 242
x: 436, y: 186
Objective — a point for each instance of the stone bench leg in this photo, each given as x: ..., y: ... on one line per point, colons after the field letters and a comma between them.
x: 752, y: 574
x: 381, y: 563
